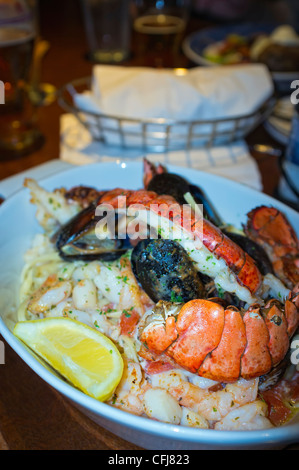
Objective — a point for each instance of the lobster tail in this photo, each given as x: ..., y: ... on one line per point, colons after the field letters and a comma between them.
x: 225, y: 344
x: 270, y: 228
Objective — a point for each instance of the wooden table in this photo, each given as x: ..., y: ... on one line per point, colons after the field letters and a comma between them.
x: 32, y: 415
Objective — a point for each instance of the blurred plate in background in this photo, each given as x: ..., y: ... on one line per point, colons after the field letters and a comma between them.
x: 279, y: 124
x: 194, y: 46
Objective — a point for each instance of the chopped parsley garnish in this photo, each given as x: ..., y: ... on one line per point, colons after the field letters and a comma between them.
x: 175, y: 298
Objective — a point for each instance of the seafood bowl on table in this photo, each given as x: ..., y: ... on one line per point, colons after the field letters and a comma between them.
x: 163, y: 302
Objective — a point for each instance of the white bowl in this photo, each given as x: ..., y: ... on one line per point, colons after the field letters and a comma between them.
x: 19, y: 226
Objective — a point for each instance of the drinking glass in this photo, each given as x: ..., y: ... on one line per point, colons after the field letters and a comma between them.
x: 159, y: 26
x: 108, y: 29
x: 19, y: 133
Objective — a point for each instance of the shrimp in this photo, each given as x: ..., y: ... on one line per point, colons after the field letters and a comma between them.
x: 212, y: 406
x: 192, y: 419
x: 128, y: 396
x: 49, y: 295
x: 85, y: 295
x: 159, y: 404
x: 251, y: 416
x: 218, y: 404
x: 136, y: 395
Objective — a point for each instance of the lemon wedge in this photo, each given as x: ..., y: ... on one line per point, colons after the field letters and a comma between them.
x: 84, y: 356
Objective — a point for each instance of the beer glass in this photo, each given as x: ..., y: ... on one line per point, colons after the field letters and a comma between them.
x: 19, y: 134
x: 159, y: 26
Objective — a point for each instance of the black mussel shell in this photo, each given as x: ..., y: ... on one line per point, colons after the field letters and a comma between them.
x: 219, y: 300
x: 165, y: 271
x: 170, y: 184
x: 254, y: 250
x: 226, y: 298
x: 176, y: 186
x: 209, y: 210
x: 77, y: 239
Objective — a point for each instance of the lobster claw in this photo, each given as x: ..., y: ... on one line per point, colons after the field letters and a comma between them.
x: 270, y: 228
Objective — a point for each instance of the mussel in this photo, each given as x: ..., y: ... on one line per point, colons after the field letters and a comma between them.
x: 176, y: 186
x: 165, y: 271
x: 171, y: 184
x: 254, y: 250
x: 225, y: 298
x: 79, y: 239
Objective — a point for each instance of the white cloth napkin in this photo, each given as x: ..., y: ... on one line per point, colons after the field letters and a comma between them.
x: 233, y: 161
x: 180, y: 96
x: 183, y: 95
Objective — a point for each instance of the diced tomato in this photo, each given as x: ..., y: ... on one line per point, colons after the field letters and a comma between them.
x: 128, y: 322
x: 157, y: 367
x: 278, y: 412
x: 280, y: 399
x: 108, y: 307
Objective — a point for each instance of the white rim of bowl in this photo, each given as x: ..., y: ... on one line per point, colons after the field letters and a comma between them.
x: 281, y: 435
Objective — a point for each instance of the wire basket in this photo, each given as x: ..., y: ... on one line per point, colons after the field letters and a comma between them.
x: 159, y: 134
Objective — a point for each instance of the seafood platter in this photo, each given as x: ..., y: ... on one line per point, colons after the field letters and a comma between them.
x: 162, y: 302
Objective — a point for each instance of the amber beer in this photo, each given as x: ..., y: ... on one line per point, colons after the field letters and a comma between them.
x: 158, y: 38
x: 16, y: 127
